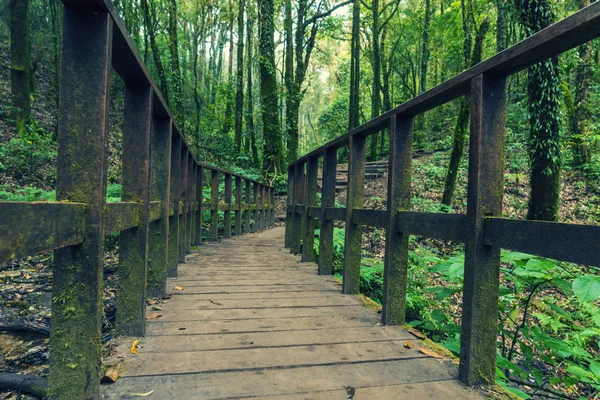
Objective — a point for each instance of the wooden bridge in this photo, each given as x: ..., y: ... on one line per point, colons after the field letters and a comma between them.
x: 250, y: 321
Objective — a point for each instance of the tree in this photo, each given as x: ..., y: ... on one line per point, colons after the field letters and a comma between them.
x: 174, y: 48
x: 20, y: 63
x: 353, y: 108
x: 239, y: 97
x: 250, y: 130
x: 150, y: 27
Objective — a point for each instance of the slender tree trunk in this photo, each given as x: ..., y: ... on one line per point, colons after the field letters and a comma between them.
x: 239, y: 98
x: 176, y: 71
x: 250, y: 130
x: 291, y: 123
x: 353, y: 109
x: 20, y: 63
x: 376, y: 90
x: 148, y: 20
x: 229, y: 106
x: 424, y: 60
x: 501, y: 25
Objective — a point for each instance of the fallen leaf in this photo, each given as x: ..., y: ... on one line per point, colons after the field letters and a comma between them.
x: 157, y: 308
x: 142, y: 394
x: 140, y: 364
x: 409, y: 344
x: 215, y: 302
x: 154, y: 315
x: 133, y: 347
x: 416, y: 333
x: 430, y: 353
x: 178, y: 288
x: 111, y: 375
x: 350, y: 392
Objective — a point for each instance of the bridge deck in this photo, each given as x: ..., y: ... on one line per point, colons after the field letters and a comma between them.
x: 254, y: 322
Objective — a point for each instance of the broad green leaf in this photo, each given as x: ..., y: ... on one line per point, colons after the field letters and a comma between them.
x: 587, y: 288
x: 579, y: 371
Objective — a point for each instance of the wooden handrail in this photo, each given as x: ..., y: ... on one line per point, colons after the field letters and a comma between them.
x: 482, y: 229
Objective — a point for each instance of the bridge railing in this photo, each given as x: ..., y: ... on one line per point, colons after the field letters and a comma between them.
x: 159, y: 217
x: 482, y: 228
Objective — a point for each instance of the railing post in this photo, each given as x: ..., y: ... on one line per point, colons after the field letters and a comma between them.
x: 133, y: 243
x: 191, y: 201
x: 247, y: 204
x: 272, y: 207
x: 183, y: 203
x: 296, y: 243
x: 261, y: 224
x: 199, y: 200
x: 81, y: 177
x: 175, y: 195
x: 354, y: 199
x: 310, y: 200
x: 482, y: 260
x: 256, y: 211
x: 327, y: 200
x: 395, y: 275
x: 214, y: 205
x: 227, y: 214
x: 158, y: 242
x: 238, y: 206
x: 289, y: 202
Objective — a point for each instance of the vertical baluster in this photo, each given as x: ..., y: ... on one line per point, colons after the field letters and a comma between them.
x: 262, y: 201
x: 354, y: 199
x: 310, y: 200
x: 175, y: 195
x: 247, y: 206
x: 238, y: 206
x: 158, y: 241
x: 396, y: 242
x: 214, y: 205
x: 327, y: 200
x: 133, y: 243
x: 272, y: 207
x: 227, y: 214
x: 289, y: 208
x: 183, y: 206
x: 482, y: 261
x: 199, y: 200
x: 298, y: 200
x: 256, y: 211
x: 192, y: 203
x: 81, y: 177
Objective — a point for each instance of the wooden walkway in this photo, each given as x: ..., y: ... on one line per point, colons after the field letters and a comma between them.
x: 254, y: 322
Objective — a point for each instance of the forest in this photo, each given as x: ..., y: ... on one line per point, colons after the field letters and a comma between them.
x: 256, y: 84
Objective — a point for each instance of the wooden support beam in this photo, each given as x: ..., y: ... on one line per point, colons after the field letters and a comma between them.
x: 395, y: 280
x: 256, y: 210
x: 310, y: 199
x: 191, y: 186
x: 133, y: 243
x: 81, y: 178
x: 289, y: 215
x: 183, y: 190
x: 199, y: 200
x: 482, y: 261
x: 227, y: 213
x: 174, y: 200
x: 433, y: 225
x: 247, y: 203
x: 272, y: 207
x: 262, y: 215
x: 214, y: 201
x: 327, y: 200
x: 296, y: 235
x: 366, y: 217
x: 238, y: 206
x: 354, y: 199
x: 121, y: 216
x: 160, y: 176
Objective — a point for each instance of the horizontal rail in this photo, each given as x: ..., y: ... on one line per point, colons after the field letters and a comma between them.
x: 566, y: 242
x: 32, y: 228
x: 564, y: 35
x: 121, y: 216
x: 433, y: 225
x: 155, y: 210
x: 375, y: 218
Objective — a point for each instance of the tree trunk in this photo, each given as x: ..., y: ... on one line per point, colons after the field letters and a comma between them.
x: 291, y: 122
x: 376, y: 90
x: 353, y: 109
x: 229, y: 98
x: 148, y: 21
x: 176, y: 71
x: 20, y: 63
x: 250, y: 130
x: 501, y: 25
x: 424, y: 60
x: 239, y: 98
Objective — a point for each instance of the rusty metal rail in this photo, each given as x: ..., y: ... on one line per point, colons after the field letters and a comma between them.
x: 159, y: 218
x: 482, y: 229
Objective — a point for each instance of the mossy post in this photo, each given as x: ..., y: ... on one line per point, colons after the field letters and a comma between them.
x: 482, y: 260
x: 175, y: 192
x: 327, y: 200
x: 227, y: 213
x: 254, y: 226
x: 238, y: 206
x: 395, y: 271
x: 199, y: 200
x: 272, y: 206
x: 214, y: 205
x: 247, y: 213
x: 133, y: 243
x: 75, y: 365
x: 296, y: 243
x: 310, y: 200
x: 261, y: 215
x: 192, y: 203
x: 289, y: 211
x: 184, y: 203
x: 158, y: 238
x: 354, y: 199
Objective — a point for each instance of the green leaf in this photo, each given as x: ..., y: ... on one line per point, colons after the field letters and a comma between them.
x: 587, y: 288
x: 579, y: 372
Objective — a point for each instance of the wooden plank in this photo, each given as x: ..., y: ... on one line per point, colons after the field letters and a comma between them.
x: 121, y: 216
x: 238, y: 206
x: 246, y: 206
x: 255, y: 209
x: 183, y: 190
x: 433, y: 225
x: 175, y: 197
x: 289, y: 216
x: 214, y: 201
x: 314, y: 212
x: 310, y: 200
x: 377, y: 218
x: 81, y: 177
x: 199, y: 198
x: 27, y: 229
x: 155, y: 210
x: 399, y: 196
x: 227, y: 213
x: 566, y: 242
x: 298, y: 200
x: 479, y: 327
x: 327, y: 201
x: 335, y: 213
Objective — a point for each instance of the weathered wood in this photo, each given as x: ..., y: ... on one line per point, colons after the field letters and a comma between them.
x: 395, y: 280
x: 376, y: 218
x: 133, y: 243
x: 199, y: 199
x: 567, y: 242
x: 183, y: 190
x: 158, y: 238
x: 227, y: 213
x: 327, y: 200
x: 155, y: 210
x: 354, y: 199
x: 482, y: 262
x: 297, y: 219
x: 289, y: 215
x: 238, y: 206
x: 193, y: 205
x: 256, y: 210
x: 27, y: 229
x: 262, y: 215
x: 247, y: 212
x: 335, y: 213
x: 121, y: 216
x: 81, y: 177
x: 310, y: 200
x: 433, y: 225
x: 214, y: 201
x: 174, y: 200
x: 272, y: 207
